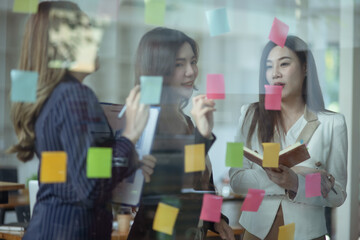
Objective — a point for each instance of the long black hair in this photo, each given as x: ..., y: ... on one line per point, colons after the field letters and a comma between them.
x: 266, y: 120
x: 156, y: 55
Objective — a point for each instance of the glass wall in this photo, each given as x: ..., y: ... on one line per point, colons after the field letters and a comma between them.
x: 235, y: 54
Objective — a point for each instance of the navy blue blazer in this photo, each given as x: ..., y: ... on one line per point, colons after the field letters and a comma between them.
x: 72, y: 120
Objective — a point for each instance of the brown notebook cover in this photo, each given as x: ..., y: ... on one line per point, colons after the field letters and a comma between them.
x: 288, y: 157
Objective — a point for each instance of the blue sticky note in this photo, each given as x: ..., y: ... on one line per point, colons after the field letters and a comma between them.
x: 218, y: 21
x: 151, y: 87
x: 23, y: 86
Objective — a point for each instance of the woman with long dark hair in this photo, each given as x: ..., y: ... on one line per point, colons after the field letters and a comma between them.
x: 303, y: 117
x: 68, y: 117
x: 173, y: 55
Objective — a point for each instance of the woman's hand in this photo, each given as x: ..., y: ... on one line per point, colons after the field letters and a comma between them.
x: 224, y: 230
x: 327, y: 180
x: 284, y: 177
x: 136, y: 115
x: 148, y: 163
x: 202, y: 112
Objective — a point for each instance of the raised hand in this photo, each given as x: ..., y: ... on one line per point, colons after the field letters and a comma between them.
x: 202, y: 112
x: 136, y: 115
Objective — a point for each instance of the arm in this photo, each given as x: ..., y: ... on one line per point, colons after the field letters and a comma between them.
x: 84, y: 125
x: 250, y: 175
x: 336, y: 165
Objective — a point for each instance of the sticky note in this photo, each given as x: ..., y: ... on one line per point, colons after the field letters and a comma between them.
x: 278, y: 32
x: 234, y: 154
x: 25, y: 6
x: 273, y: 97
x: 155, y: 12
x: 287, y: 232
x: 253, y: 200
x: 23, y: 86
x: 165, y: 218
x: 313, y: 185
x: 271, y: 155
x: 99, y: 162
x: 218, y: 21
x: 110, y: 9
x: 211, y: 208
x: 151, y: 87
x: 53, y: 167
x: 215, y: 86
x: 195, y: 157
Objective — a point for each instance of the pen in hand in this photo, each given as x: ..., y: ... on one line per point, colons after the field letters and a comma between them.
x: 122, y: 112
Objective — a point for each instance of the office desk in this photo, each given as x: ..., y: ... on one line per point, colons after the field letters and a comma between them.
x: 117, y: 236
x: 5, y: 187
x: 9, y: 202
x: 8, y: 235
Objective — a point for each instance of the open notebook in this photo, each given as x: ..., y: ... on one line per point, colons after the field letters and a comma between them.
x: 288, y: 157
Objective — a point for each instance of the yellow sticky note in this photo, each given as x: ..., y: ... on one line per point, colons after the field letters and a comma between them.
x: 165, y: 218
x: 25, y: 6
x: 195, y: 158
x: 155, y: 12
x: 287, y: 232
x: 271, y: 155
x: 53, y: 167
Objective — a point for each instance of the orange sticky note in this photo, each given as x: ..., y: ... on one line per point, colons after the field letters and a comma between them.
x: 271, y: 155
x: 195, y: 158
x: 165, y: 218
x: 287, y: 232
x: 53, y: 167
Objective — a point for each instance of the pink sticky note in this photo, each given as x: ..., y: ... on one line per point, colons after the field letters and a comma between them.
x: 313, y: 185
x: 211, y: 208
x: 253, y: 200
x: 215, y: 86
x: 279, y: 32
x: 273, y: 97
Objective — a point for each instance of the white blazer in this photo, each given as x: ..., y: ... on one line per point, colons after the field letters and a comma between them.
x: 327, y: 146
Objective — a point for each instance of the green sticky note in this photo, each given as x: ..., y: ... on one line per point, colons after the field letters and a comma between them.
x: 151, y: 87
x: 25, y: 6
x: 155, y: 12
x: 23, y: 86
x: 99, y: 162
x: 234, y: 154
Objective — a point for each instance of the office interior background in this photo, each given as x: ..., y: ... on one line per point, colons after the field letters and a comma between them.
x: 330, y: 27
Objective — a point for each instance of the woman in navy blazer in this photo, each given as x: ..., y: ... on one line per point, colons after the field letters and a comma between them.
x: 68, y: 117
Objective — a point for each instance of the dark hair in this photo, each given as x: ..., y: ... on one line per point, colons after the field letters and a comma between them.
x: 156, y: 54
x: 266, y: 120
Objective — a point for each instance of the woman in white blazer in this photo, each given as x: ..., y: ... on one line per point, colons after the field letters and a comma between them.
x: 303, y: 117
